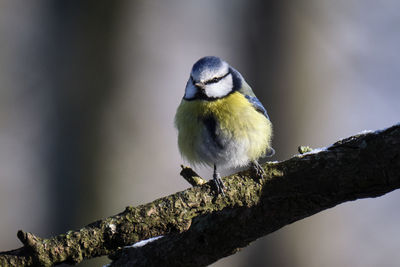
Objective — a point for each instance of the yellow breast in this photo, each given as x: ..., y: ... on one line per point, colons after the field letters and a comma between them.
x: 237, y: 121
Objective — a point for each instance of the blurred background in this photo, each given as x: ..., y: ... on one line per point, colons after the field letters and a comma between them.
x: 89, y: 90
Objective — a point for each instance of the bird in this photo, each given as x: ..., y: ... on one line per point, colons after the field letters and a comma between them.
x: 220, y: 121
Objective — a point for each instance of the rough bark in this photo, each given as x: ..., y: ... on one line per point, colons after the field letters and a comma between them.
x: 199, y: 228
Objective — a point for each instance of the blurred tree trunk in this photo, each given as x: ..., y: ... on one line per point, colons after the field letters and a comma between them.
x: 269, y: 57
x: 267, y: 73
x: 78, y: 57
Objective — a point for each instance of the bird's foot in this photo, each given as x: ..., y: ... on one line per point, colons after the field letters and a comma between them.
x: 219, y: 184
x: 258, y: 171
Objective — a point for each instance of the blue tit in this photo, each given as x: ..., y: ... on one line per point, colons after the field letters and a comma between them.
x: 220, y: 121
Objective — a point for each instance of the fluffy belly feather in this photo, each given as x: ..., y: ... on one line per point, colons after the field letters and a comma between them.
x: 240, y: 133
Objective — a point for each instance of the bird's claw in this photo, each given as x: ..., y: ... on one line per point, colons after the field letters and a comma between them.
x: 219, y: 184
x: 259, y: 172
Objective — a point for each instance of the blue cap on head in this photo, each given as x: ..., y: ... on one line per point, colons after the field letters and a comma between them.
x: 210, y: 63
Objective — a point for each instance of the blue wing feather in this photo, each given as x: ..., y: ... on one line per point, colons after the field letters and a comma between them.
x: 257, y: 105
x: 241, y: 86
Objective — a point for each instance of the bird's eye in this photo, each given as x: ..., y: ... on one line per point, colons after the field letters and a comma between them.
x: 213, y: 80
x: 216, y: 79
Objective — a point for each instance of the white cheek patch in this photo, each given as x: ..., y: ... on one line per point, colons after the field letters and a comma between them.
x: 190, y: 90
x: 221, y: 88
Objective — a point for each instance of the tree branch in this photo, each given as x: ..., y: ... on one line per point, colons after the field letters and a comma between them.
x: 199, y: 228
x: 191, y: 176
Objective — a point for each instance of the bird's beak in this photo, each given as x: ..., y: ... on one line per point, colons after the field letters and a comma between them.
x: 200, y: 86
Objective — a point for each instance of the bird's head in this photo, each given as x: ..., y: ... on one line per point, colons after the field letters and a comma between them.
x: 211, y: 78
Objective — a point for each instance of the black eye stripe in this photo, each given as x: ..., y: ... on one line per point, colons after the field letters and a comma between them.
x: 217, y: 79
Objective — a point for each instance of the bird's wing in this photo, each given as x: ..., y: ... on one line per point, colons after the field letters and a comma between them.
x: 242, y: 87
x: 257, y: 105
x: 248, y: 93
